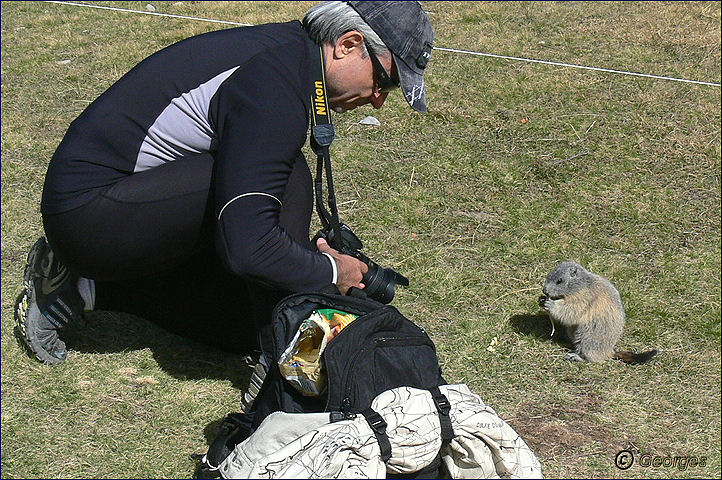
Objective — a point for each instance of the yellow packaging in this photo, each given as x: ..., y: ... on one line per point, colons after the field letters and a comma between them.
x: 301, y: 362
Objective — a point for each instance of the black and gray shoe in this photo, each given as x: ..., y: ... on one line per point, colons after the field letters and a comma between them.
x: 48, y: 303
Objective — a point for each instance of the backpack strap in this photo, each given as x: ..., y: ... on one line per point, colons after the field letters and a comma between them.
x: 378, y: 425
x: 443, y: 407
x: 234, y: 428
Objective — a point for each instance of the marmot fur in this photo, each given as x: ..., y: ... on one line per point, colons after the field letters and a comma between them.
x: 591, y: 310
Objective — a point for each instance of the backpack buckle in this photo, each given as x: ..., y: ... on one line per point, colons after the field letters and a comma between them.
x: 376, y: 422
x: 336, y: 416
x: 378, y: 426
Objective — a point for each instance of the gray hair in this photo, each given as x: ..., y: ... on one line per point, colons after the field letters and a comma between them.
x: 327, y: 21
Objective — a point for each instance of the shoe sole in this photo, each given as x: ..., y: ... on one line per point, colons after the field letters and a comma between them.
x: 26, y: 317
x: 27, y: 313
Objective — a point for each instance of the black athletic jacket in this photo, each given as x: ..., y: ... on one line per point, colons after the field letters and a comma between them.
x: 242, y: 94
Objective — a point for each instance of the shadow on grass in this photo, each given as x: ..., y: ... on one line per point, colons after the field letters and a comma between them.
x: 182, y: 358
x: 540, y: 326
x: 210, y: 433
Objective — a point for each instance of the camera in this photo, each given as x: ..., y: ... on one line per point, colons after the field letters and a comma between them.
x: 380, y: 282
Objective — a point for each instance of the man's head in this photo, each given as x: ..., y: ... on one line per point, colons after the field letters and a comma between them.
x: 370, y: 48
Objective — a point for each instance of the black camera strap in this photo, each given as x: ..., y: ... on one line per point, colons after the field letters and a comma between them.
x: 380, y: 282
x: 322, y: 134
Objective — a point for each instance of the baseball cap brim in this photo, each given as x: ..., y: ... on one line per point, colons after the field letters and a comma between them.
x: 405, y: 29
x: 412, y: 85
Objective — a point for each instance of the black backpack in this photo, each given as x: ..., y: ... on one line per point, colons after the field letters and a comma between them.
x: 379, y: 350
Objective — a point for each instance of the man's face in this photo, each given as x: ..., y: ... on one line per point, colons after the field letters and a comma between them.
x: 351, y: 78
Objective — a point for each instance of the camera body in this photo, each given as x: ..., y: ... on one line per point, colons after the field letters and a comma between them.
x: 380, y: 282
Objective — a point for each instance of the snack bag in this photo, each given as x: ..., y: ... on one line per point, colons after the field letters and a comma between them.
x: 336, y: 319
x: 300, y: 363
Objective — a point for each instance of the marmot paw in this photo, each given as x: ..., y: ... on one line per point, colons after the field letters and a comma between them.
x: 573, y: 357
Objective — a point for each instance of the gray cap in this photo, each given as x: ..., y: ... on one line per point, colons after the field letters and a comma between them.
x: 406, y: 30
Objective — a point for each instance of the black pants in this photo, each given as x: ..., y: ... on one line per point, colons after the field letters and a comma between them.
x: 148, y: 242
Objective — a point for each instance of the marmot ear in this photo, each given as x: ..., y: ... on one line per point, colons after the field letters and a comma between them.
x: 573, y: 272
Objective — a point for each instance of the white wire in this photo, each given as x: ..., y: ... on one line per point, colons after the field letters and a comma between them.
x: 453, y: 50
x: 576, y: 66
x: 150, y: 13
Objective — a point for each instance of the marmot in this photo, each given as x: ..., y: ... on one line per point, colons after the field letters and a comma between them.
x: 590, y: 308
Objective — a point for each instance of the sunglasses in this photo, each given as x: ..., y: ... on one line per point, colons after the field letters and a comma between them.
x: 383, y: 79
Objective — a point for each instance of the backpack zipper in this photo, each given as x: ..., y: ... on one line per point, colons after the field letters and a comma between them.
x: 344, y: 373
x: 347, y: 409
x: 346, y: 404
x: 279, y: 345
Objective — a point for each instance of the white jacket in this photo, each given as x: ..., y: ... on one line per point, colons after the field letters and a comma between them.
x: 308, y: 445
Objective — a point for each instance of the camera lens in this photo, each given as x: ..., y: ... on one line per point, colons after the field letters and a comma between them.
x: 379, y: 283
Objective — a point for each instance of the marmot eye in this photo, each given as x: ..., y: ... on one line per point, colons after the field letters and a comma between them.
x: 559, y: 281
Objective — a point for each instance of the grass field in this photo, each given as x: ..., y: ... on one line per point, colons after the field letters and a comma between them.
x: 516, y: 167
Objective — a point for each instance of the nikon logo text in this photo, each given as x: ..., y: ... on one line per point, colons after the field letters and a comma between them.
x: 320, y: 100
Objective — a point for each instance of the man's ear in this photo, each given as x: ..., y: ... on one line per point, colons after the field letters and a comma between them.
x: 348, y: 43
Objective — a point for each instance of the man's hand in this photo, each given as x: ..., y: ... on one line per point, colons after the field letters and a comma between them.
x: 350, y: 270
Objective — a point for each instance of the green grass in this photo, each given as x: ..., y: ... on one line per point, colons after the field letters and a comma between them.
x: 517, y: 167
